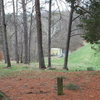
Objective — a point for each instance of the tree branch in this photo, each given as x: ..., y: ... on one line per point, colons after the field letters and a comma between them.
x: 75, y: 35
x: 76, y: 17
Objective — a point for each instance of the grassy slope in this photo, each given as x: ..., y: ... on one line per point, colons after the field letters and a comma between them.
x: 85, y: 57
x: 80, y: 59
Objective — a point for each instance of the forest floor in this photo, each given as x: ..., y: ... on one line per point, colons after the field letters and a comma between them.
x: 41, y: 85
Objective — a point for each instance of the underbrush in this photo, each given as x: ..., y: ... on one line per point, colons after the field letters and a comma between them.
x: 72, y: 86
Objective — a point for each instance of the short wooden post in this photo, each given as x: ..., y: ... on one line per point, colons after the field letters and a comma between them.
x: 60, y: 85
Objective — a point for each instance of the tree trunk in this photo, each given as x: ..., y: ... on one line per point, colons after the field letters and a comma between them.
x: 4, y: 51
x: 49, y: 35
x: 36, y: 51
x: 16, y: 37
x: 5, y: 36
x: 21, y: 57
x: 68, y: 37
x: 39, y: 35
x: 25, y: 32
x: 1, y: 31
x: 21, y: 49
x: 30, y: 35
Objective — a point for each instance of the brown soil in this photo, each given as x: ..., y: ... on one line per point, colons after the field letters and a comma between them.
x: 40, y: 85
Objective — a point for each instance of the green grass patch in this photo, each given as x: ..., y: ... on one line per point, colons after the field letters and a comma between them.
x: 85, y: 57
x: 15, y: 68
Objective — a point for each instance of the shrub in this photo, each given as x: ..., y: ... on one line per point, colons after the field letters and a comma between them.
x: 72, y: 86
x: 90, y: 69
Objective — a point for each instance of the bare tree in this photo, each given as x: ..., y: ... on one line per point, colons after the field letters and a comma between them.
x: 1, y: 35
x: 5, y: 35
x: 21, y: 48
x: 30, y: 33
x: 25, y: 32
x: 16, y: 35
x: 49, y: 35
x: 68, y: 37
x: 0, y: 17
x: 39, y: 35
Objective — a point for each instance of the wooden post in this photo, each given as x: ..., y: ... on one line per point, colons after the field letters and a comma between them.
x: 60, y: 86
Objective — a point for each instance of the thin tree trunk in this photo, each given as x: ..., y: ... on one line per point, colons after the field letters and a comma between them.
x: 4, y: 51
x: 21, y: 48
x: 36, y: 50
x: 68, y: 37
x: 49, y: 35
x: 39, y: 35
x: 16, y: 35
x: 25, y: 32
x: 1, y: 31
x: 30, y: 35
x: 0, y: 17
x: 5, y: 35
x: 21, y: 58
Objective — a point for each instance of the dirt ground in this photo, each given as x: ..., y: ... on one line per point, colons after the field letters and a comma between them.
x: 41, y: 85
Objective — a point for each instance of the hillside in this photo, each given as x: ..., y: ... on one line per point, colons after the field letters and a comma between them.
x: 86, y: 57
